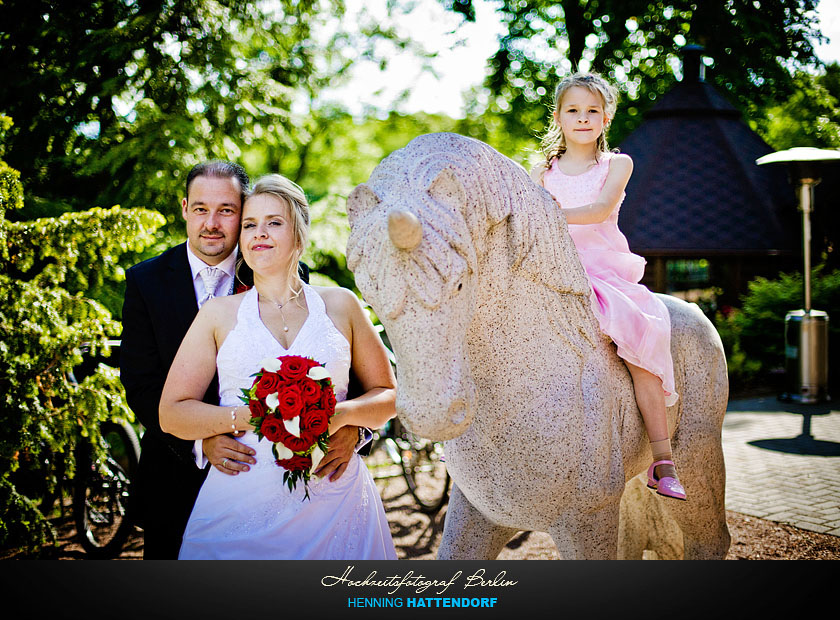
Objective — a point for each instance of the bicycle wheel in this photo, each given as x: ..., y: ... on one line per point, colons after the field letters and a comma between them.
x: 383, y: 459
x: 425, y: 472
x: 101, y: 495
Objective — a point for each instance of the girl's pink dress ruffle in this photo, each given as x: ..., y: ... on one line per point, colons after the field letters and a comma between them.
x: 636, y: 320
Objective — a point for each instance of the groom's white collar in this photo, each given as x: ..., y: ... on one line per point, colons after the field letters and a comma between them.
x: 196, y: 264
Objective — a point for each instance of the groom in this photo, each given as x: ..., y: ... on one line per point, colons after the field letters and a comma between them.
x: 162, y: 297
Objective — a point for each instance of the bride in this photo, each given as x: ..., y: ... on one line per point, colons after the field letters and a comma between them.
x: 254, y: 515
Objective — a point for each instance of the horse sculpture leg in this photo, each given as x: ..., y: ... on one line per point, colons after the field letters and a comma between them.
x: 695, y: 529
x: 468, y: 534
x: 702, y: 519
x: 587, y: 536
x: 697, y: 441
x: 646, y: 524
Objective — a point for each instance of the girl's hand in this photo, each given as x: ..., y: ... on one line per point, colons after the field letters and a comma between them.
x: 621, y: 167
x: 537, y: 173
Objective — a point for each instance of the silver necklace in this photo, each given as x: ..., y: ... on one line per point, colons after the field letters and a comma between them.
x: 286, y: 303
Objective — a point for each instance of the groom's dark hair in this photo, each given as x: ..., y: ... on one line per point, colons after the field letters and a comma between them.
x: 221, y: 169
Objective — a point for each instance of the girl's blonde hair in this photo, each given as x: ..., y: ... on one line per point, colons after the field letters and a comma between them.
x: 554, y: 142
x: 292, y: 195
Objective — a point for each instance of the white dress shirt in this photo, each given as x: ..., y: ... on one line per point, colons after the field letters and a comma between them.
x: 225, y: 287
x: 228, y: 266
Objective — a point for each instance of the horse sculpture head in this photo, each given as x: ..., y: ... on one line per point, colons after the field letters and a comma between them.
x: 418, y: 231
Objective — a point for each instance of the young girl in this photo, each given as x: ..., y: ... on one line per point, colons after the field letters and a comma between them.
x: 588, y: 181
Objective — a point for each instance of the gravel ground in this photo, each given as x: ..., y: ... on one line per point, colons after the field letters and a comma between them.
x: 417, y: 536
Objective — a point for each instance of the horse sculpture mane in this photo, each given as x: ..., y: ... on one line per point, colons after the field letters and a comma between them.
x: 494, y: 189
x: 470, y: 267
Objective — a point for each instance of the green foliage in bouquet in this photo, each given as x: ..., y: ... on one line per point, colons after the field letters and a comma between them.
x: 50, y: 268
x: 753, y: 336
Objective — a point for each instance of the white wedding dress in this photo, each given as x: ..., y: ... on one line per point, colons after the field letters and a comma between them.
x: 253, y: 515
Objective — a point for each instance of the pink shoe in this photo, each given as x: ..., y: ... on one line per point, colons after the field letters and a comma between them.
x: 665, y: 486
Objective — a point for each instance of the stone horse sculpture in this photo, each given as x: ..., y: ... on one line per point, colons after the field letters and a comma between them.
x: 469, y: 266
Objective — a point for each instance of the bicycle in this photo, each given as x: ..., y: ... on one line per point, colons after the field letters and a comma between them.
x: 102, y: 487
x: 420, y: 461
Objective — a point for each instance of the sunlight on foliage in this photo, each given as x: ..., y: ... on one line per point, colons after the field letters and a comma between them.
x: 48, y: 325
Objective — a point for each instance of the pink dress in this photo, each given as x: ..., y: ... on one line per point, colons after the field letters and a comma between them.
x: 636, y: 320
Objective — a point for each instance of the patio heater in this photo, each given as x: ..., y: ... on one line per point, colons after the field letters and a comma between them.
x: 806, y: 329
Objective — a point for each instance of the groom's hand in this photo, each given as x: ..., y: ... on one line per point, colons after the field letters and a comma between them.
x: 228, y: 455
x: 342, y: 448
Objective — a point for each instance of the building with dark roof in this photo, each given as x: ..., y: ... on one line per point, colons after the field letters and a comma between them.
x: 696, y: 193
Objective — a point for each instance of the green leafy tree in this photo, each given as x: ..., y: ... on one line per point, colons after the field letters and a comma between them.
x: 46, y: 265
x: 637, y: 43
x: 810, y: 116
x: 113, y: 101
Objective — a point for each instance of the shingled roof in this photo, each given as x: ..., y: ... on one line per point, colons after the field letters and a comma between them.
x: 696, y: 189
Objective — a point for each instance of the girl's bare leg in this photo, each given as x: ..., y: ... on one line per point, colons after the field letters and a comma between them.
x: 651, y: 402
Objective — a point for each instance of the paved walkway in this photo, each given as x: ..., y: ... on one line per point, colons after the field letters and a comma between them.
x: 783, y: 462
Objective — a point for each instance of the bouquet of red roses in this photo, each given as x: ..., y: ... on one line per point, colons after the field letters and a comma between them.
x: 291, y: 402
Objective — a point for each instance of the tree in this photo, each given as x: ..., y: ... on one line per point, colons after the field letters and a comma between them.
x: 46, y: 265
x: 114, y: 101
x: 810, y: 116
x: 753, y: 44
x: 336, y: 159
x: 761, y: 56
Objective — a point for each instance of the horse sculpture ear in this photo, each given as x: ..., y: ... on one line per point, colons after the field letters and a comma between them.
x: 448, y: 189
x: 361, y: 200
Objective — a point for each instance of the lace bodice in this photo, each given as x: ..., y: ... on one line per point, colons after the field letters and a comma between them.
x: 576, y: 190
x: 250, y: 342
x: 581, y: 189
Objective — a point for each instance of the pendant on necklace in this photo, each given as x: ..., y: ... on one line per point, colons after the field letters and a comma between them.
x: 280, y: 308
x: 282, y: 316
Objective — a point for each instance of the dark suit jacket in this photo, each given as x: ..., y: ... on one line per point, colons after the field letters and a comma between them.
x: 159, y: 308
